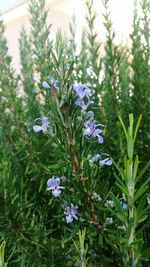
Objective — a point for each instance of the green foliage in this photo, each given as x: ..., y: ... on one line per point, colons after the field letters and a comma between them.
x: 81, y: 249
x: 2, y: 251
x: 140, y: 67
x: 93, y: 49
x: 41, y: 45
x: 130, y: 246
x: 32, y: 220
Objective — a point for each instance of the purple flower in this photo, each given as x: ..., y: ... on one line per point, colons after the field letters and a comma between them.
x: 53, y: 184
x: 55, y: 84
x: 91, y: 130
x: 106, y: 161
x: 82, y: 93
x: 71, y: 213
x: 81, y: 90
x: 90, y: 115
x: 96, y: 157
x: 52, y: 83
x: 82, y: 104
x: 44, y: 125
x: 123, y: 204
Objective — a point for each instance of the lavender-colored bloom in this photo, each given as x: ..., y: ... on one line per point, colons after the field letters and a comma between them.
x: 82, y: 93
x: 90, y: 114
x: 106, y: 161
x: 44, y: 125
x: 91, y: 130
x: 82, y: 90
x: 123, y: 204
x: 102, y: 162
x: 96, y: 157
x: 93, y: 159
x: 71, y: 213
x: 53, y: 83
x: 100, y: 139
x: 53, y: 184
x: 82, y: 104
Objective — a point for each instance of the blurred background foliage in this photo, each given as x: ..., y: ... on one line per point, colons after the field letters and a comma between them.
x: 30, y: 223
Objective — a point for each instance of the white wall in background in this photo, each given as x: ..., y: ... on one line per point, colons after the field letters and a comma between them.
x: 60, y: 15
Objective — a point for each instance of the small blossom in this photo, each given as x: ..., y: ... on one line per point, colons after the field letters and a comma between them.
x: 109, y: 203
x: 46, y: 85
x: 53, y: 184
x: 71, y: 213
x: 109, y: 220
x: 90, y: 114
x: 82, y: 93
x: 91, y: 130
x: 44, y: 125
x: 81, y: 90
x: 96, y: 157
x: 82, y: 104
x: 52, y: 83
x: 123, y: 204
x: 93, y: 159
x: 96, y: 196
x: 106, y: 161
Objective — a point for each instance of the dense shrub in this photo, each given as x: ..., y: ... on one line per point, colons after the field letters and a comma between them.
x: 107, y: 223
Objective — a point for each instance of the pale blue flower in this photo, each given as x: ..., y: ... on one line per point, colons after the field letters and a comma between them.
x: 90, y: 114
x: 82, y: 90
x: 96, y: 157
x: 53, y: 185
x: 71, y: 213
x: 91, y: 130
x: 106, y: 161
x: 82, y: 104
x: 46, y: 85
x: 123, y: 204
x: 52, y: 83
x: 43, y: 127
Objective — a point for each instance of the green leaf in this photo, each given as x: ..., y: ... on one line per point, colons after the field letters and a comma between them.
x: 136, y: 129
x: 141, y: 190
x: 124, y: 128
x: 146, y: 254
x: 143, y: 171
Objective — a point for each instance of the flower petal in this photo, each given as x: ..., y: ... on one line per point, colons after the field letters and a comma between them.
x: 56, y: 192
x: 37, y: 128
x: 100, y: 139
x: 46, y: 85
x: 69, y: 219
